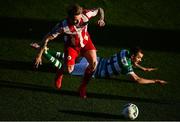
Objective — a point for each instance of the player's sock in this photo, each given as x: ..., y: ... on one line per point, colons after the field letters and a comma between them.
x: 58, y: 78
x: 56, y: 63
x: 59, y: 55
x: 87, y: 76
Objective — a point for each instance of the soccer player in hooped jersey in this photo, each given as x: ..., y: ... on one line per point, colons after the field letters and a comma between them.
x: 77, y: 41
x: 120, y: 63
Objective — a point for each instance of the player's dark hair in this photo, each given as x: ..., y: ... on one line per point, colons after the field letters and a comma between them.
x: 135, y: 50
x: 74, y: 9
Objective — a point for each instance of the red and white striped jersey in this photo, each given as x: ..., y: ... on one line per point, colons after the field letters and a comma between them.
x: 75, y: 35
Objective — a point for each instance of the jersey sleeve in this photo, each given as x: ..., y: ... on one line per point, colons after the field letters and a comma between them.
x: 126, y: 62
x: 91, y: 13
x: 129, y: 70
x: 56, y: 30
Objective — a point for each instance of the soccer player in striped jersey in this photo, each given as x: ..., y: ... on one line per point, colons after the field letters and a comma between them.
x: 120, y: 63
x: 77, y: 41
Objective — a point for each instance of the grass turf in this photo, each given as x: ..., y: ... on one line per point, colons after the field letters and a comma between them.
x: 28, y: 94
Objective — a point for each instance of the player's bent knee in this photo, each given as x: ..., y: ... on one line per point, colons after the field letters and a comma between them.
x: 94, y: 65
x: 70, y: 69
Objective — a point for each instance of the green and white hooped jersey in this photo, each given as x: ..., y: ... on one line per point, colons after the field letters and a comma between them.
x: 118, y: 63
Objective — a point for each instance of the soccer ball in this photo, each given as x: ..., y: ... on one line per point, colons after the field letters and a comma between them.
x: 130, y: 111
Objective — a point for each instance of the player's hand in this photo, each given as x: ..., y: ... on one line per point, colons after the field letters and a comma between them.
x: 161, y: 81
x: 38, y: 61
x: 150, y: 69
x: 101, y: 22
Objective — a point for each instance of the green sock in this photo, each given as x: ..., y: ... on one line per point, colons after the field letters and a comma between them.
x: 56, y: 63
x: 59, y: 55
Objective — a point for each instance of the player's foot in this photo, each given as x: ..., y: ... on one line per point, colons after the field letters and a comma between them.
x: 58, y: 80
x: 35, y: 45
x: 82, y: 91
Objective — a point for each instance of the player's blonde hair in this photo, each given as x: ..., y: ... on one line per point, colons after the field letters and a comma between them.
x: 74, y: 9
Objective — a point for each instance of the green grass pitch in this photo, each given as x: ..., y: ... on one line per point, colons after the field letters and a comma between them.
x: 29, y: 94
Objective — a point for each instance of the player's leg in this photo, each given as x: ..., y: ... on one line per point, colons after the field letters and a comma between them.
x: 59, y: 77
x: 89, y: 52
x: 69, y: 61
x: 59, y: 55
x: 51, y: 56
x: 54, y: 61
x: 91, y: 58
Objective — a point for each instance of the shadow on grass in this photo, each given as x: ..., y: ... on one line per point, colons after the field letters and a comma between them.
x: 115, y: 79
x: 110, y: 35
x: 46, y: 67
x: 95, y: 115
x: 20, y: 65
x: 39, y: 88
x: 35, y: 88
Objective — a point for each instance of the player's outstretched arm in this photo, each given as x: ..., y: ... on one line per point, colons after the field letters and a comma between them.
x: 141, y: 80
x: 144, y: 68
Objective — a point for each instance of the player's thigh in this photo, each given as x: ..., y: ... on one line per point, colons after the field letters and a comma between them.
x: 91, y: 57
x: 70, y: 57
x: 89, y: 52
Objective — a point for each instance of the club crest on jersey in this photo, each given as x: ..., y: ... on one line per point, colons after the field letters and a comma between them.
x: 69, y: 57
